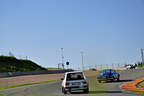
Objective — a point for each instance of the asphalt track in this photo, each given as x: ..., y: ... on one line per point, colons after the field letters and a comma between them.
x: 54, y: 88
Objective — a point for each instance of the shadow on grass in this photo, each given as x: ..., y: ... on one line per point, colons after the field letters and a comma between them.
x: 118, y: 81
x: 78, y: 93
x: 96, y: 92
x: 101, y: 92
x: 124, y: 80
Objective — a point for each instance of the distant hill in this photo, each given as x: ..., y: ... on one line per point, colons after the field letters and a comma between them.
x: 12, y: 64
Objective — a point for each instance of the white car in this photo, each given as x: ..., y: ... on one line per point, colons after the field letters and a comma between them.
x: 74, y: 81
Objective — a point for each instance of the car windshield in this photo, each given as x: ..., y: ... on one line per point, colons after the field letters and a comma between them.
x: 75, y: 76
x: 107, y: 71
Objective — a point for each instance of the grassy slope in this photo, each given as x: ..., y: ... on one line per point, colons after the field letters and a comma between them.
x: 12, y: 64
x: 141, y: 85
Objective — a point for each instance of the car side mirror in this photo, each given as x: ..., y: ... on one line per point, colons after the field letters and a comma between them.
x: 62, y: 78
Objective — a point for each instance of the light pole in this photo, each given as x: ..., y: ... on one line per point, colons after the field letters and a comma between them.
x: 82, y: 60
x: 107, y: 65
x: 142, y: 56
x: 112, y: 66
x: 95, y: 66
x: 62, y: 57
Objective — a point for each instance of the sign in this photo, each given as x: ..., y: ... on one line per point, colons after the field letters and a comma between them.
x: 67, y: 63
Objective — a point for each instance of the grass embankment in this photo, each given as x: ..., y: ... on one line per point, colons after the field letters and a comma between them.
x: 12, y: 64
x: 141, y: 85
x: 54, y: 68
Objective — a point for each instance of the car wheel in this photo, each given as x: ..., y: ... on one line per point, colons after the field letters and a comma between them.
x: 64, y: 91
x: 113, y: 78
x: 118, y: 79
x: 69, y: 91
x: 99, y: 81
x: 86, y: 91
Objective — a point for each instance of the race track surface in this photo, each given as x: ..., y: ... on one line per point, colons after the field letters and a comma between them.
x: 54, y: 88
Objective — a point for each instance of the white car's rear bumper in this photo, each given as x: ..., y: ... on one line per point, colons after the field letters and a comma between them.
x: 74, y: 88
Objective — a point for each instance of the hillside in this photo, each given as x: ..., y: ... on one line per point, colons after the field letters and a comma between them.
x: 12, y: 64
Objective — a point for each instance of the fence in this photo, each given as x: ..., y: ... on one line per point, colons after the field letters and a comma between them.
x: 13, y: 74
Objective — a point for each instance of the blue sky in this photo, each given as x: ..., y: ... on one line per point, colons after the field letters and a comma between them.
x: 107, y: 31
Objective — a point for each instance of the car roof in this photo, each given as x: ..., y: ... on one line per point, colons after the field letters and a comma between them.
x: 73, y: 72
x: 107, y: 69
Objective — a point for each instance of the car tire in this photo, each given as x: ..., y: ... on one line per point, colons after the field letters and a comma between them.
x: 69, y: 91
x: 113, y: 79
x: 86, y: 91
x: 99, y: 81
x: 64, y: 91
x: 118, y: 79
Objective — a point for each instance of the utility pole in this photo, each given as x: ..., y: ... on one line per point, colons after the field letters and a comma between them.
x: 107, y: 65
x: 112, y: 66
x: 62, y: 57
x: 95, y: 66
x: 142, y: 56
x: 82, y: 60
x: 118, y: 65
x: 101, y: 66
x: 58, y: 66
x: 26, y: 57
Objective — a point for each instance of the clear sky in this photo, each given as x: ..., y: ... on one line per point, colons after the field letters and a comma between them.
x: 107, y: 31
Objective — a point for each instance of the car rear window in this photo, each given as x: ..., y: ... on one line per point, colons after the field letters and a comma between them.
x: 75, y: 76
x: 107, y: 71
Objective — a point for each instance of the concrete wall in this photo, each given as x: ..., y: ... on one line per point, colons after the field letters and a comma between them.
x: 12, y: 74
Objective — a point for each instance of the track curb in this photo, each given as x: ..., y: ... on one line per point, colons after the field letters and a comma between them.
x: 132, y: 86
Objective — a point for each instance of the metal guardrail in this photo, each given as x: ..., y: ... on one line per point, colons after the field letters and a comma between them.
x: 13, y: 74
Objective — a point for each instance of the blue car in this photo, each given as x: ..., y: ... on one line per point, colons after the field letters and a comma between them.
x: 108, y: 75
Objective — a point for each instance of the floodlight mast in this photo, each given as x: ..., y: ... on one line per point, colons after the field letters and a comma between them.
x: 142, y: 56
x: 62, y: 57
x: 82, y: 61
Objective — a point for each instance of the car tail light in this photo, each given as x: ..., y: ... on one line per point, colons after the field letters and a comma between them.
x: 66, y: 83
x: 84, y: 82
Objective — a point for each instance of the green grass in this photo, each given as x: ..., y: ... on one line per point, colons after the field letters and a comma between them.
x: 99, y: 70
x: 140, y: 66
x: 54, y: 68
x: 20, y: 85
x: 12, y: 64
x: 89, y: 71
x: 141, y: 85
x: 95, y: 88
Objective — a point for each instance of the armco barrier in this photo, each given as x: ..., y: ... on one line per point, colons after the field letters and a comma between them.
x: 12, y: 74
